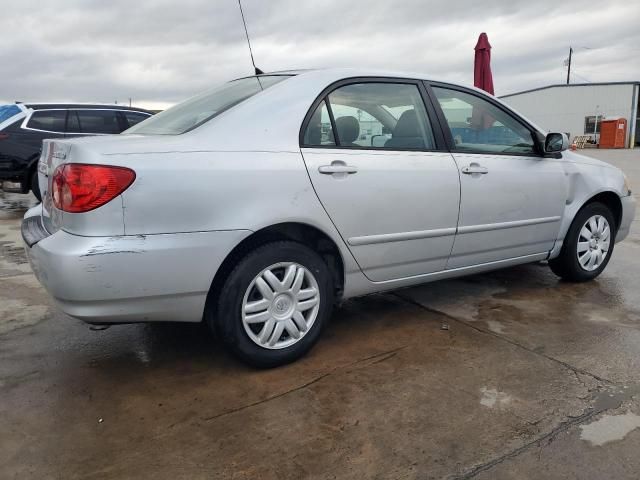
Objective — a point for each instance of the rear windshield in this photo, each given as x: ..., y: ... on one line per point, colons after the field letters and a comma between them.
x: 200, y: 109
x: 8, y: 111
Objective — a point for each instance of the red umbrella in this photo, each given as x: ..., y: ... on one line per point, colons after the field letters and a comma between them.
x: 482, y: 77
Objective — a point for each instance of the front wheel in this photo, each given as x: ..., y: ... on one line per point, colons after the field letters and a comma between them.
x: 588, y: 245
x: 274, y: 304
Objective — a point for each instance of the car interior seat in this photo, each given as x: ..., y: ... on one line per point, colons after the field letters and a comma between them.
x: 406, y: 134
x: 348, y: 130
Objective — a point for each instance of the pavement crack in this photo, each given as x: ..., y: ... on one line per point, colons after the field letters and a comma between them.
x: 568, y: 366
x: 376, y: 358
x: 268, y: 399
x: 547, y: 437
x: 385, y: 358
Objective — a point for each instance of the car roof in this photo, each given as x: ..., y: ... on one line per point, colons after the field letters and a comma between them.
x: 339, y: 73
x: 42, y: 106
x: 346, y: 72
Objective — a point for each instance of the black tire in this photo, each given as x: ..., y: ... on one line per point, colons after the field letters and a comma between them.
x: 226, y: 319
x: 35, y: 186
x: 566, y: 265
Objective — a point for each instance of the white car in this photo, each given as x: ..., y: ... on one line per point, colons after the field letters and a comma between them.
x: 259, y: 204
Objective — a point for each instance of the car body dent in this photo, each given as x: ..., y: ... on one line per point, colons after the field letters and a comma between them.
x: 167, y: 276
x: 585, y: 178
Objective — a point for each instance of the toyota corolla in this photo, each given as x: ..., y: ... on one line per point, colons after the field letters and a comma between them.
x: 257, y: 205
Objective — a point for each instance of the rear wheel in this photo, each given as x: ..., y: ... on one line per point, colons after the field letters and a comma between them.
x: 274, y: 304
x: 588, y: 246
x: 35, y: 186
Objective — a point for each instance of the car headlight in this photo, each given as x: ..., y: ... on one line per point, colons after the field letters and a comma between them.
x: 627, y: 185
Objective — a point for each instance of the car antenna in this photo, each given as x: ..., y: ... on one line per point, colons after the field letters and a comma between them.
x: 255, y: 69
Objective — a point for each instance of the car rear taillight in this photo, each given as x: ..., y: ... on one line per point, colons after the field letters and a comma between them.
x: 78, y: 187
x: 4, y: 136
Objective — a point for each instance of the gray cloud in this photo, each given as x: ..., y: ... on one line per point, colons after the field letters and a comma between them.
x: 159, y: 52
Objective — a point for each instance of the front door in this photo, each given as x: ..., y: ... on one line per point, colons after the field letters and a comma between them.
x: 390, y: 188
x: 512, y: 197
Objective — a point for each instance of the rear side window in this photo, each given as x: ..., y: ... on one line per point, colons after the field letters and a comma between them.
x: 319, y: 131
x: 200, y: 109
x: 133, y: 118
x: 96, y: 121
x: 8, y: 111
x: 373, y: 115
x: 48, y: 120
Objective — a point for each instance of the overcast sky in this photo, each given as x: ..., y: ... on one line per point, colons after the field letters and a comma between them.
x: 160, y: 52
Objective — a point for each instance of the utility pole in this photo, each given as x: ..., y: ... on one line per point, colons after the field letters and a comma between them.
x: 569, y: 69
x: 595, y: 126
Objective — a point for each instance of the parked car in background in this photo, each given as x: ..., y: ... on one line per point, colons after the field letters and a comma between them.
x: 24, y: 126
x: 259, y: 204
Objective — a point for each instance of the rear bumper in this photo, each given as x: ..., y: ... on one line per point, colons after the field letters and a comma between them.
x: 628, y: 214
x: 122, y: 279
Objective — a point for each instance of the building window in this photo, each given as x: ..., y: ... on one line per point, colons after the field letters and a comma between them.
x: 590, y: 124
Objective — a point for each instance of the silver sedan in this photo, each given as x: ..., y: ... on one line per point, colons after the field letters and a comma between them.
x: 257, y: 205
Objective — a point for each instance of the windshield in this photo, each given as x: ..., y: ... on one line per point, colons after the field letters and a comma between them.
x: 194, y: 112
x: 8, y: 111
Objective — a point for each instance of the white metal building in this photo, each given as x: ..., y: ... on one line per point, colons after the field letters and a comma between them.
x: 578, y: 108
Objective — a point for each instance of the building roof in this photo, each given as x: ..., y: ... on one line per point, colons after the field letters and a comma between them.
x: 564, y: 85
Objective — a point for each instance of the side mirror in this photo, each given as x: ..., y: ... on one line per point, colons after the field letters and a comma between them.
x: 556, y: 142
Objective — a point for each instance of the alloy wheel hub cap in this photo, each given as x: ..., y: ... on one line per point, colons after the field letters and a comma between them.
x: 280, y: 305
x: 594, y: 241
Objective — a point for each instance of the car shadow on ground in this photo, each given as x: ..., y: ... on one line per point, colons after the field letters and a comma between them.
x: 165, y: 344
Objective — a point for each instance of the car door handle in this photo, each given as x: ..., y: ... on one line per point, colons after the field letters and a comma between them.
x: 474, y: 168
x: 337, y: 167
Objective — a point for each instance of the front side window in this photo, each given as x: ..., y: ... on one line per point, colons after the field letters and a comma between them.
x: 95, y: 121
x: 374, y: 115
x: 48, y: 120
x: 200, y: 109
x: 478, y: 126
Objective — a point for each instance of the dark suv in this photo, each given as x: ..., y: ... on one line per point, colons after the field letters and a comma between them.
x: 24, y: 126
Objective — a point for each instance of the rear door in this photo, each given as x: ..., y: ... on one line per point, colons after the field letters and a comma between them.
x: 382, y: 173
x: 512, y: 197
